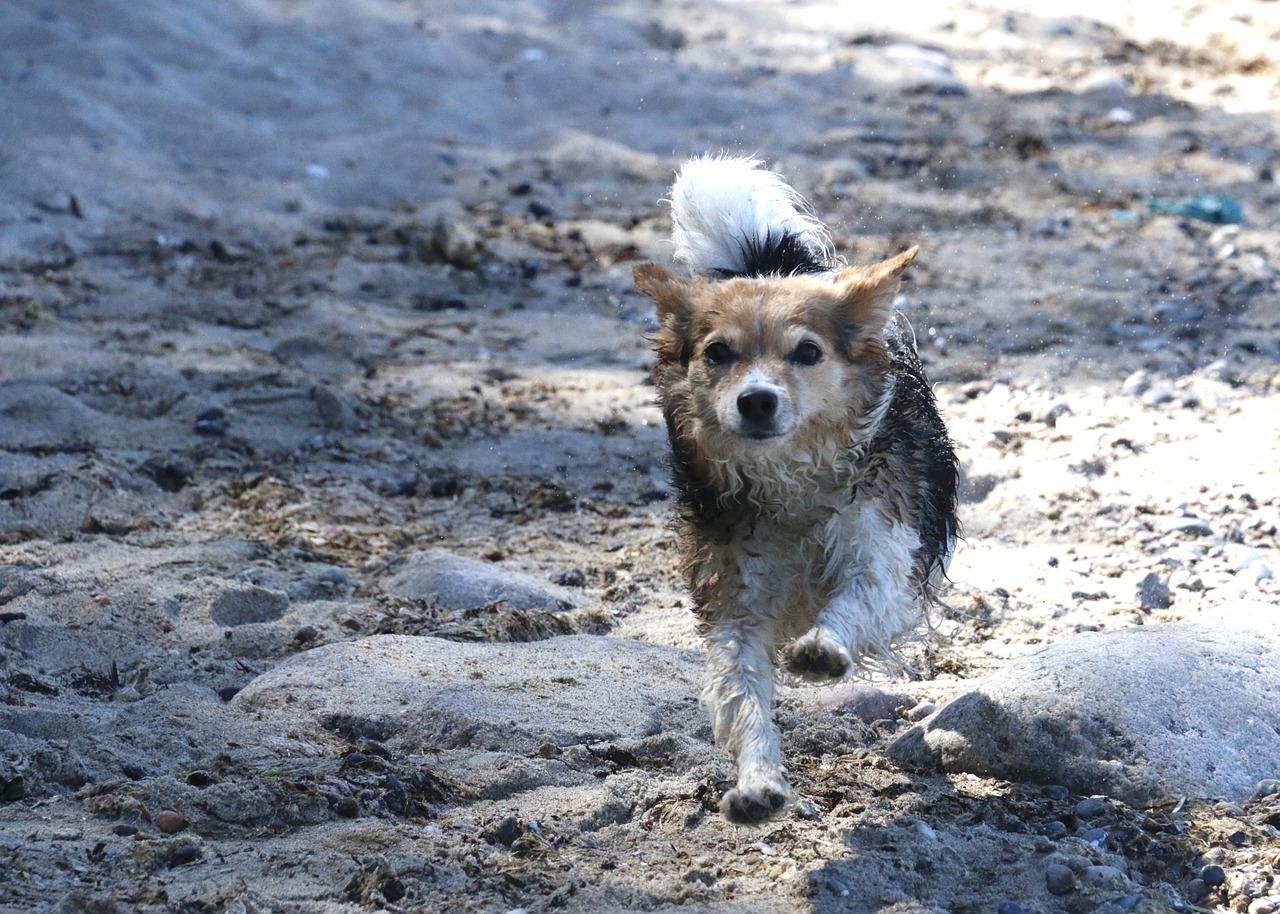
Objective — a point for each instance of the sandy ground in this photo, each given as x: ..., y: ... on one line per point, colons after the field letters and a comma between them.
x: 290, y: 291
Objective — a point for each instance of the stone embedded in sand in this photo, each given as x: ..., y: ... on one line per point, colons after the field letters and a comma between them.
x: 1144, y: 715
x: 866, y: 702
x: 245, y: 604
x: 432, y: 694
x: 455, y: 582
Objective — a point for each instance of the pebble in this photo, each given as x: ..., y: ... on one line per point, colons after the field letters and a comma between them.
x: 1092, y: 806
x: 1054, y: 830
x: 1009, y: 907
x: 1153, y: 592
x: 305, y: 634
x: 574, y: 578
x: 1264, y: 905
x: 1267, y: 788
x: 1056, y: 412
x: 1213, y: 875
x: 921, y: 711
x: 1184, y: 579
x: 1192, y: 525
x: 212, y: 422
x: 1158, y: 394
x: 170, y: 822
x: 506, y: 831
x: 1058, y: 879
x: 1197, y: 891
x: 1105, y: 877
x: 244, y: 604
x: 1095, y: 836
x: 184, y: 855
x: 1136, y: 384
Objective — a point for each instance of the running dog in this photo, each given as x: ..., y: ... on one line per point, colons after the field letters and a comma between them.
x: 816, y: 481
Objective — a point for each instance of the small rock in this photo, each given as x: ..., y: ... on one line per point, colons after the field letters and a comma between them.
x: 1268, y: 788
x: 454, y: 241
x: 212, y: 422
x: 1153, y: 592
x: 1197, y: 891
x: 506, y: 831
x: 1185, y: 579
x: 1092, y: 806
x: 1192, y: 525
x: 305, y: 634
x: 1009, y: 907
x: 1105, y: 877
x: 1213, y: 875
x: 346, y: 807
x: 921, y: 711
x: 1054, y: 413
x: 866, y: 702
x: 574, y: 578
x: 1136, y: 384
x: 1058, y: 879
x: 1054, y: 830
x: 1158, y: 394
x: 245, y: 604
x: 181, y: 856
x: 170, y: 822
x: 1095, y: 836
x: 1264, y: 905
x: 455, y: 582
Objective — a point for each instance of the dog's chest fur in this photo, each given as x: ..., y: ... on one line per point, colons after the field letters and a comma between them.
x: 778, y: 552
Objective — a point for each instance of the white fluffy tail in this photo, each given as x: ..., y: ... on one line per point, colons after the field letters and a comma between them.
x: 733, y: 218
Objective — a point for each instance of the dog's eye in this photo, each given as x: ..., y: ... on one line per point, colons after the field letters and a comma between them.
x: 718, y: 353
x: 806, y: 353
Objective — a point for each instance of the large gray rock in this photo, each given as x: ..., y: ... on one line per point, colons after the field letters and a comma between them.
x: 454, y: 582
x: 1144, y: 714
x: 430, y: 694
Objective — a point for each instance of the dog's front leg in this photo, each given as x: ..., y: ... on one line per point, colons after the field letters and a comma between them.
x: 739, y: 695
x: 873, y: 603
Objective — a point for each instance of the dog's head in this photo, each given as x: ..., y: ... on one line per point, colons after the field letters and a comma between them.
x: 766, y: 364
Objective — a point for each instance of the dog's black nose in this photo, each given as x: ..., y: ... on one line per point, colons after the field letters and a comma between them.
x: 758, y: 406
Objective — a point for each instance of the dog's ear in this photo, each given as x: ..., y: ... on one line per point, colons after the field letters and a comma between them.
x: 668, y: 291
x: 674, y: 298
x: 867, y: 293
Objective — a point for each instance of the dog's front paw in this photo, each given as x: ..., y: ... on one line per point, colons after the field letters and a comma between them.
x: 755, y: 800
x: 816, y: 657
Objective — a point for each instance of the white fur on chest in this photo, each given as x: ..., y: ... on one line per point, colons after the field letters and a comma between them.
x: 795, y: 564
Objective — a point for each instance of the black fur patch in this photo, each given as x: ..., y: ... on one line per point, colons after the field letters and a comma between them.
x: 915, y: 430
x: 777, y: 255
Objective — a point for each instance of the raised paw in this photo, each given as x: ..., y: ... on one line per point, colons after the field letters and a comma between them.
x: 816, y: 657
x: 752, y: 803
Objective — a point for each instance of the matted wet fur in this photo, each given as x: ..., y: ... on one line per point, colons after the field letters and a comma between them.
x: 816, y: 481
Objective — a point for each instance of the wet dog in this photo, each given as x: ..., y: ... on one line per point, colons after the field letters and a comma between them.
x: 816, y: 480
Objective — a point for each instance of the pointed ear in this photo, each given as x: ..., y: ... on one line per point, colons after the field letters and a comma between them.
x: 867, y: 293
x: 668, y: 291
